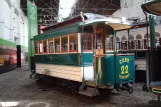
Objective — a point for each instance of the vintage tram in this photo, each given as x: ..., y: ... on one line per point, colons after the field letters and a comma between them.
x: 82, y: 51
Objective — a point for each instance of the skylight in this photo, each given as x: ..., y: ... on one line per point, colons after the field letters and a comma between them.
x: 65, y: 8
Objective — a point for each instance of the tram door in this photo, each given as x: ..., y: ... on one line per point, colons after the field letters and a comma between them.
x: 98, y: 45
x: 99, y: 42
x: 98, y: 59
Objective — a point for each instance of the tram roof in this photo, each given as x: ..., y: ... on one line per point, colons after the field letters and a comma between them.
x: 76, y: 19
x: 152, y: 7
x: 116, y: 24
x: 71, y: 26
x: 91, y: 18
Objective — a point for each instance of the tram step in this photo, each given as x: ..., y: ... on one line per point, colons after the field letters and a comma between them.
x: 91, y: 80
x: 91, y: 92
x: 91, y: 83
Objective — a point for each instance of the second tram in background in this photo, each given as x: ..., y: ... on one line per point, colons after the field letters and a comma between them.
x: 137, y: 43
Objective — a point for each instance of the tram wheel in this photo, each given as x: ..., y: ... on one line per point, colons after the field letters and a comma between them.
x: 130, y: 90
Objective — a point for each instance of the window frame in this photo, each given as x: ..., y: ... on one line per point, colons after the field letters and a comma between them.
x: 119, y: 43
x: 62, y: 44
x: 76, y: 35
x: 101, y: 30
x: 112, y: 38
x: 145, y: 43
x: 130, y: 44
x: 137, y: 44
x: 51, y: 40
x: 126, y: 42
x: 47, y: 50
x: 36, y: 43
x: 59, y: 44
x: 42, y: 47
x: 92, y: 40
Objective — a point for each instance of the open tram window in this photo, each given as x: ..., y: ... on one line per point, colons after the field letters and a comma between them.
x: 45, y: 46
x: 146, y: 42
x: 73, y: 42
x: 123, y: 43
x: 118, y: 43
x: 36, y: 47
x: 57, y: 44
x: 109, y: 42
x: 139, y: 42
x: 64, y: 43
x: 40, y: 46
x: 87, y: 42
x: 99, y: 39
x: 131, y: 42
x: 51, y: 46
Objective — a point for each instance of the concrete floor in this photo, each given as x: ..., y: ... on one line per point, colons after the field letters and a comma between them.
x: 17, y: 90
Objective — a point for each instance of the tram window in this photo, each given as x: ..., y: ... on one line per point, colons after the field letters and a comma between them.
x: 139, y: 44
x: 145, y: 44
x: 87, y: 42
x: 158, y: 42
x: 64, y: 44
x: 109, y: 43
x: 98, y: 41
x: 36, y: 47
x: 124, y: 45
x: 57, y: 45
x: 45, y: 46
x: 131, y: 45
x: 51, y: 46
x: 73, y: 42
x: 118, y: 45
x: 41, y: 47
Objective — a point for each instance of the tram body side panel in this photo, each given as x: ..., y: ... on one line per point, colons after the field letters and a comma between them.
x: 87, y: 66
x: 65, y: 66
x: 60, y: 71
x: 125, y: 68
x: 109, y: 70
x: 104, y: 71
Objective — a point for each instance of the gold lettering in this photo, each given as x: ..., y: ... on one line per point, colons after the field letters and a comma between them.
x: 124, y: 60
x: 124, y: 77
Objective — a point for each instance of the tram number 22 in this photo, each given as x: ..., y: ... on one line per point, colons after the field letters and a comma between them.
x: 124, y: 69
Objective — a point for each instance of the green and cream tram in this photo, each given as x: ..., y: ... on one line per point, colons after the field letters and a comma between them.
x: 82, y: 50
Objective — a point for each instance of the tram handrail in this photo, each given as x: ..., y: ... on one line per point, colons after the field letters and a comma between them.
x: 115, y: 54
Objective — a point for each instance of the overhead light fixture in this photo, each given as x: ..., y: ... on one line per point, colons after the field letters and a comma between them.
x: 106, y: 23
x: 33, y: 2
